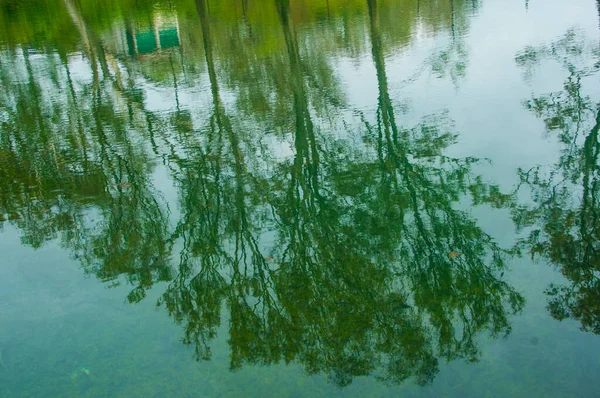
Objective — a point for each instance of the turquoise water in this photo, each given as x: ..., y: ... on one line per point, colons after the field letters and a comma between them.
x: 299, y: 198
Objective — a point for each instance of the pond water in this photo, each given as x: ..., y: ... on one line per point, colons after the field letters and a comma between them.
x: 299, y: 198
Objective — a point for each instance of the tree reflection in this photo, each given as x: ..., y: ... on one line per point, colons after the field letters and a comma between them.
x: 75, y: 168
x: 348, y: 256
x: 563, y: 220
x: 359, y: 280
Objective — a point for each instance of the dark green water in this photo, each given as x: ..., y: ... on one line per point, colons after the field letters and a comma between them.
x: 299, y: 198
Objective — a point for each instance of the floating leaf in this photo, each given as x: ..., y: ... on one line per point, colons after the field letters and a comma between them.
x: 124, y: 185
x: 454, y: 254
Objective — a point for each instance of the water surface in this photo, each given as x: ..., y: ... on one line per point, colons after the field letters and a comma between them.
x: 299, y: 198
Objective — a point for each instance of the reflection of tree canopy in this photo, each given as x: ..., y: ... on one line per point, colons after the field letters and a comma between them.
x: 563, y: 219
x: 349, y: 256
x: 361, y: 281
x: 74, y: 164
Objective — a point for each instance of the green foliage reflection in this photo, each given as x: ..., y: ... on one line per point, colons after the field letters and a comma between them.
x: 563, y: 220
x: 348, y: 255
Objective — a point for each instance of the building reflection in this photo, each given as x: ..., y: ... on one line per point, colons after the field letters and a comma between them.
x: 142, y: 39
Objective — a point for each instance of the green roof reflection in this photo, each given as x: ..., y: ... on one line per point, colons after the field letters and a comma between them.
x: 148, y: 39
